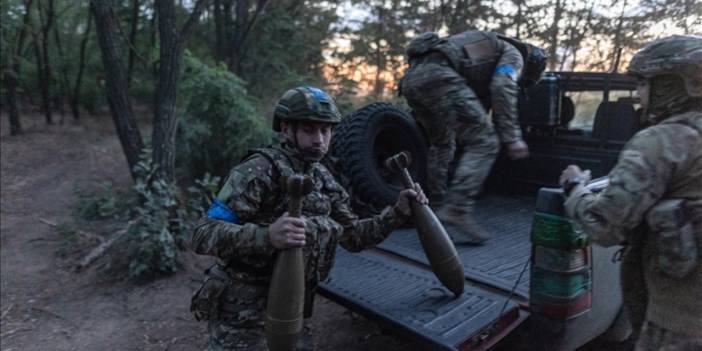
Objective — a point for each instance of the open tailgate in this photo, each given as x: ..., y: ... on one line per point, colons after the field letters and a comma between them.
x: 409, y: 299
x: 393, y: 283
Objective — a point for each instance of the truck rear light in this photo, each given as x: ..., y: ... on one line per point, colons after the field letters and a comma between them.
x: 560, y: 286
x: 560, y: 260
x: 564, y: 308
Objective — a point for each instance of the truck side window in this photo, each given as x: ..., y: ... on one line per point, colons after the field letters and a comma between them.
x: 587, y: 103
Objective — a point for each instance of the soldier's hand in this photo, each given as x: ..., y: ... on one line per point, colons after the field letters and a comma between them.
x: 287, y: 232
x: 517, y: 150
x: 572, y: 172
x: 407, y: 195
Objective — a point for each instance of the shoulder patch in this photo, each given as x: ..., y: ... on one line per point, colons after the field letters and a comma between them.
x: 506, y: 69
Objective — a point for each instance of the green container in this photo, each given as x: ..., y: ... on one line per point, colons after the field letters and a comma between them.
x: 547, y: 285
x: 556, y: 232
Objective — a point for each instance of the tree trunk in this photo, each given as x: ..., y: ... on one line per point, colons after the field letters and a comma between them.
x: 132, y: 40
x: 153, y: 22
x: 553, y: 49
x: 116, y: 82
x: 379, y: 84
x: 165, y: 119
x: 581, y: 35
x: 75, y: 108
x: 45, y: 80
x: 11, y: 97
x: 228, y: 25
x: 13, y: 72
x: 152, y: 29
x: 238, y: 30
x: 618, y: 39
x: 65, y: 83
x: 219, y: 31
x: 36, y: 45
x: 519, y: 19
x: 240, y: 11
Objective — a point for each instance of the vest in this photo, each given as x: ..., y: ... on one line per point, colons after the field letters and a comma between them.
x: 473, y: 55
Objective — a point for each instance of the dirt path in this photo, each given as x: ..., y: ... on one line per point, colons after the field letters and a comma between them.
x: 44, y: 305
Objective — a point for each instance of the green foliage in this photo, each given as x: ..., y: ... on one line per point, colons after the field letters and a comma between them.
x: 163, y: 220
x: 199, y: 199
x: 219, y: 122
x: 151, y: 238
x: 271, y: 65
x: 102, y: 204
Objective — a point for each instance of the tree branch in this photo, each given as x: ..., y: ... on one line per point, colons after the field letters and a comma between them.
x: 259, y: 7
x: 100, y: 250
x: 194, y: 16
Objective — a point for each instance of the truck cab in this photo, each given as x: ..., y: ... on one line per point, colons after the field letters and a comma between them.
x: 537, y: 267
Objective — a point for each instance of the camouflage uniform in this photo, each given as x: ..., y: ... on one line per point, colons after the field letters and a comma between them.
x: 449, y: 86
x: 452, y: 111
x: 246, y: 257
x: 654, y: 202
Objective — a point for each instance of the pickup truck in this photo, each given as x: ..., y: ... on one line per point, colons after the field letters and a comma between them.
x: 537, y: 267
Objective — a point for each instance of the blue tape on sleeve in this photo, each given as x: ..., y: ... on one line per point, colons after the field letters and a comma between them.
x: 506, y: 69
x: 220, y: 210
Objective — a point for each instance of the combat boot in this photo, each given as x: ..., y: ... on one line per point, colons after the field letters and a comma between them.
x: 461, y: 226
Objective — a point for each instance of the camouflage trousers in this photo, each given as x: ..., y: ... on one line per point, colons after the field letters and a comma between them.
x: 655, y: 338
x: 240, y: 324
x: 463, y: 140
x: 634, y: 293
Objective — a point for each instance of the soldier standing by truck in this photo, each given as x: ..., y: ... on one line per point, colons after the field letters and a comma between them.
x: 450, y: 84
x: 248, y: 223
x: 654, y: 198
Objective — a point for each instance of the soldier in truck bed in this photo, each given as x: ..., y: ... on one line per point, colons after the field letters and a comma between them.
x: 450, y: 84
x: 654, y: 199
x: 248, y: 223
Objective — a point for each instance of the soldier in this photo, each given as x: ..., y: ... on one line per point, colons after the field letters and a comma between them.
x: 248, y: 222
x: 654, y: 198
x: 450, y: 84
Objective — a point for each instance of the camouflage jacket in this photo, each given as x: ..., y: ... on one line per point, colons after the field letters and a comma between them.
x: 253, y: 192
x: 488, y: 65
x: 659, y: 164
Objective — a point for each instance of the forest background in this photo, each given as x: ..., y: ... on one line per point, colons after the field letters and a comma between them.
x: 120, y: 119
x: 190, y: 85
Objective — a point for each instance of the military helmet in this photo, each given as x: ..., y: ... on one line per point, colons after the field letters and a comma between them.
x: 679, y: 55
x: 534, y: 65
x: 305, y: 104
x: 534, y: 60
x: 422, y: 44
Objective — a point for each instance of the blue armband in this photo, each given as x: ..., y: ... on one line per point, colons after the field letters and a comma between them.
x: 506, y: 69
x: 220, y: 210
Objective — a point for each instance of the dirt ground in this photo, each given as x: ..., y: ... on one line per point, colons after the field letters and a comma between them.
x: 45, y: 305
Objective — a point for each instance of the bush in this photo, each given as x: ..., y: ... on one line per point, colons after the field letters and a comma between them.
x: 102, y: 204
x: 164, y: 220
x: 153, y: 245
x: 219, y: 123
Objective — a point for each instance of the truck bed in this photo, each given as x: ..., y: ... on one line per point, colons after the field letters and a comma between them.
x: 500, y: 260
x: 393, y: 283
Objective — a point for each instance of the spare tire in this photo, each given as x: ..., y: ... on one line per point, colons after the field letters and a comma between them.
x: 365, y: 138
